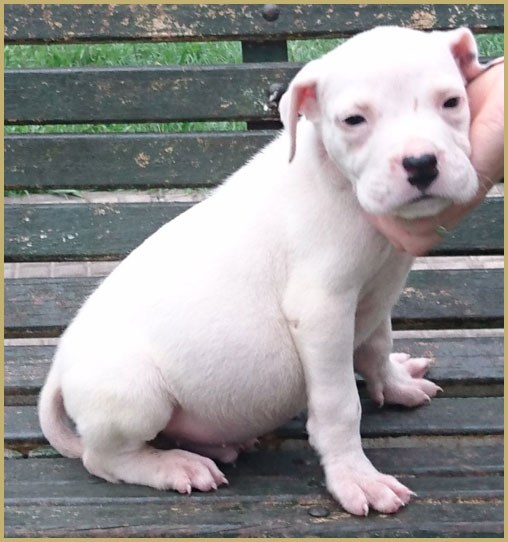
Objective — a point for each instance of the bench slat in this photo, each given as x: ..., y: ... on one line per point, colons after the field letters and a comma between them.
x: 274, y: 517
x: 442, y: 298
x: 421, y: 458
x: 83, y: 231
x: 139, y: 160
x: 77, y: 231
x: 80, y: 22
x: 443, y: 416
x: 78, y: 490
x: 110, y: 161
x: 451, y: 298
x: 477, y: 361
x: 143, y: 94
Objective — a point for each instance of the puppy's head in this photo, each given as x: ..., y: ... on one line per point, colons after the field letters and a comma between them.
x: 391, y: 109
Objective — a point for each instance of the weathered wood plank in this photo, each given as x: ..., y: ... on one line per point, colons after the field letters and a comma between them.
x: 79, y: 231
x: 143, y: 94
x: 113, y: 161
x: 460, y: 362
x: 264, y: 477
x: 82, y: 231
x: 458, y: 416
x: 482, y: 232
x: 79, y: 22
x: 442, y: 298
x: 275, y: 517
x: 254, y: 473
x: 454, y: 472
x: 25, y: 368
x: 47, y: 486
x: 451, y: 298
x: 39, y: 307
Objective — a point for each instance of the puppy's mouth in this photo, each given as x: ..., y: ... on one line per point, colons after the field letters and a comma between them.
x: 422, y: 205
x: 423, y: 197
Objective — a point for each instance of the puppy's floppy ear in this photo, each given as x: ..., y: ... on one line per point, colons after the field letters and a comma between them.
x: 300, y: 97
x: 465, y: 51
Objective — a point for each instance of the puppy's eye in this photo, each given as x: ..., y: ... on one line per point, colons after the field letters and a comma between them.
x: 353, y: 120
x: 451, y: 102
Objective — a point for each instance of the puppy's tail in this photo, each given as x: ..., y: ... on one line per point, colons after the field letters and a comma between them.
x: 54, y: 421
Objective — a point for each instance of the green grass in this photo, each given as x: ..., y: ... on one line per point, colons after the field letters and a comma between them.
x: 147, y: 54
x: 121, y: 54
x: 163, y: 54
x: 151, y: 127
x: 491, y: 44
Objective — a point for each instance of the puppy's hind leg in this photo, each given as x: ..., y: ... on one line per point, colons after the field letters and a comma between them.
x: 393, y: 378
x: 162, y: 469
x: 114, y: 437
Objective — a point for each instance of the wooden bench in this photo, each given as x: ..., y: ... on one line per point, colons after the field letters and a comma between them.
x: 450, y: 452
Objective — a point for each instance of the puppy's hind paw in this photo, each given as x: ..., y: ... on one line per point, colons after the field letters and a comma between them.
x: 183, y: 471
x: 404, y: 383
x: 416, y: 367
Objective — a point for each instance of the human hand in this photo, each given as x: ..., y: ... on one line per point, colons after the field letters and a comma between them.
x: 486, y: 102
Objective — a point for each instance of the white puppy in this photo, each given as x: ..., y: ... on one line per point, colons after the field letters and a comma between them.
x: 266, y: 297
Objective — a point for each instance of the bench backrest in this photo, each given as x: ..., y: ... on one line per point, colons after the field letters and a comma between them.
x: 228, y: 92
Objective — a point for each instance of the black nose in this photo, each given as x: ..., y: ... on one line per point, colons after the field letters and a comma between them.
x: 421, y: 170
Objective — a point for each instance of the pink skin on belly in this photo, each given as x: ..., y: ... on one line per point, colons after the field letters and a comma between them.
x: 190, y: 433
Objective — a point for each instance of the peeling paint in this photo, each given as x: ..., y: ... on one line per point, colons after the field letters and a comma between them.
x: 142, y: 159
x: 157, y: 85
x: 423, y: 20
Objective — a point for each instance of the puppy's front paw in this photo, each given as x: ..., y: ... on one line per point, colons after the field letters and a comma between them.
x: 403, y: 382
x: 357, y: 490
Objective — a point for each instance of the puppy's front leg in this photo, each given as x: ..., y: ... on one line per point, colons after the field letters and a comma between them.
x: 322, y: 325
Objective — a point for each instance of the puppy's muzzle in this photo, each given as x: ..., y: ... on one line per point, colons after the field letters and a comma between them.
x: 422, y: 170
